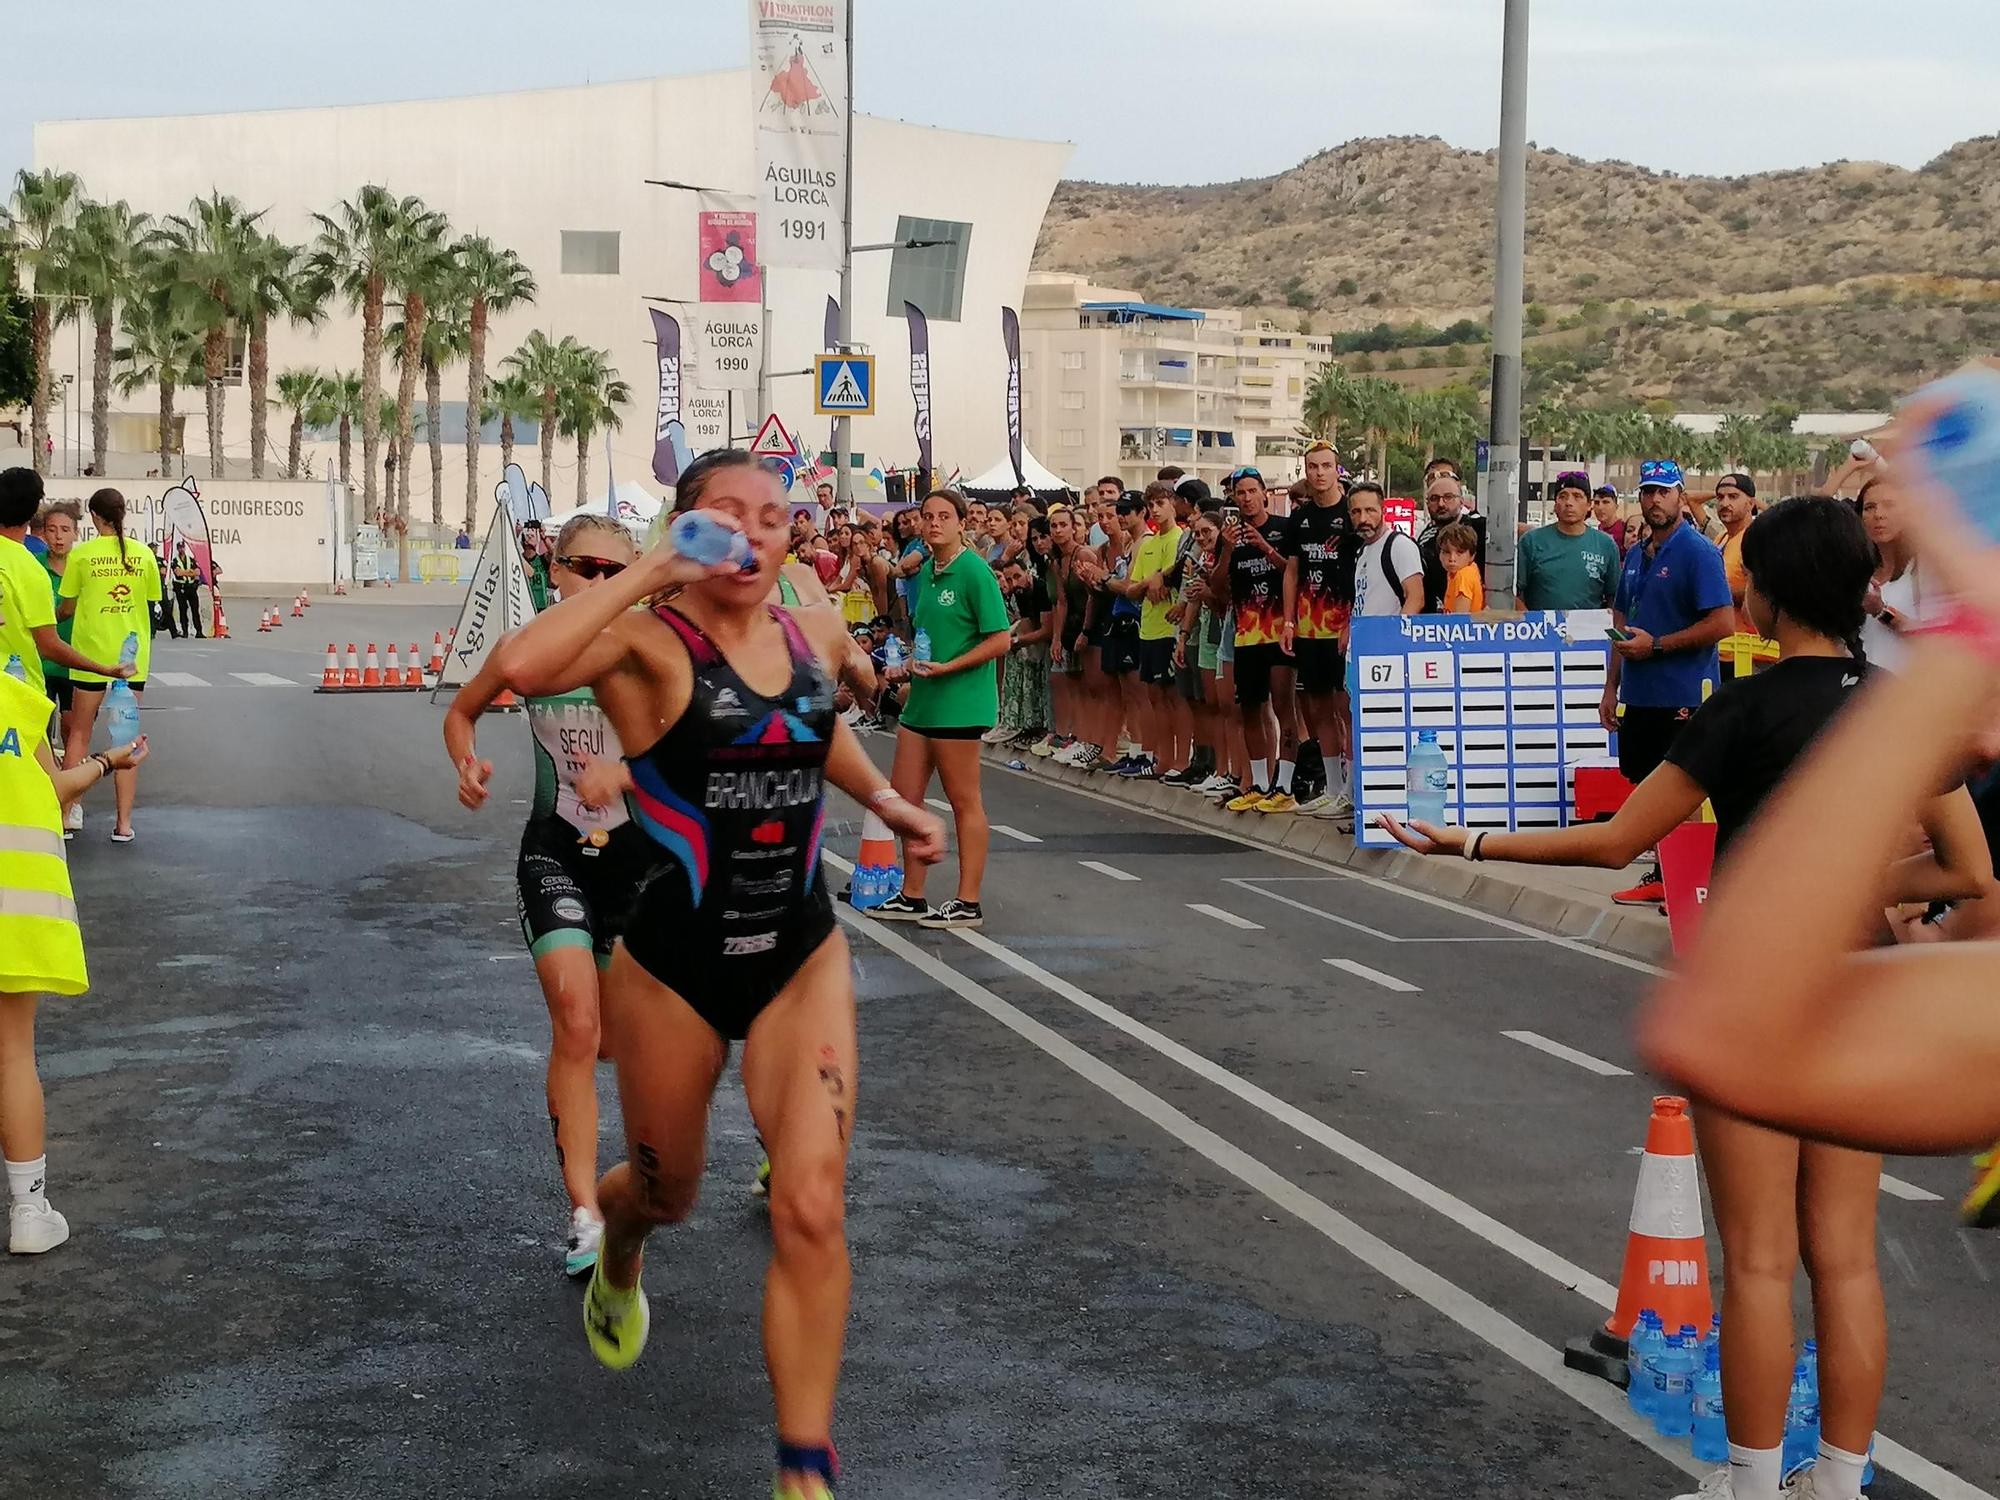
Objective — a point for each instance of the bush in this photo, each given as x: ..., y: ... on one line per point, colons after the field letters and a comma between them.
x: 1536, y: 315
x: 1592, y: 311
x: 1345, y: 287
x: 1363, y: 362
x: 1393, y: 362
x: 1738, y: 221
x: 1298, y: 297
x: 1373, y: 299
x: 1584, y: 280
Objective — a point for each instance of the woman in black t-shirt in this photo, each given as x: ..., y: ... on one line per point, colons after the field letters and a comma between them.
x: 1776, y: 1196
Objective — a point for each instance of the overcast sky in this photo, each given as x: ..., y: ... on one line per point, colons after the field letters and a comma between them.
x: 1148, y: 90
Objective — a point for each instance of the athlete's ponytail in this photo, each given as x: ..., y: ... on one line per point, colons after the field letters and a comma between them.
x: 107, y: 508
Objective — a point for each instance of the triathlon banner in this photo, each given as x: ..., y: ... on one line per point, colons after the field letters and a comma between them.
x: 185, y: 521
x: 670, y: 443
x: 1010, y: 335
x: 496, y: 602
x: 522, y: 498
x: 727, y: 333
x: 798, y: 49
x: 920, y: 391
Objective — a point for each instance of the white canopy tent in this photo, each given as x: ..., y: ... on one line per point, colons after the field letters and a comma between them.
x: 636, y: 507
x: 1000, y: 478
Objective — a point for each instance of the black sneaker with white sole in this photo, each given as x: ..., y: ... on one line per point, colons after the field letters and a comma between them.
x: 901, y: 908
x: 955, y: 913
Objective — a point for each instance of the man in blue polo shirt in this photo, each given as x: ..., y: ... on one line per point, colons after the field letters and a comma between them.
x: 1674, y: 608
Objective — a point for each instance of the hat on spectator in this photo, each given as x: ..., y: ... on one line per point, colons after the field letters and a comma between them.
x: 1609, y: 491
x: 1660, y: 474
x: 1742, y: 481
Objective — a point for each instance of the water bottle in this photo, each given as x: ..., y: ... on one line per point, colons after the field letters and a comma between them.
x: 1673, y: 1381
x: 128, y: 654
x: 868, y: 892
x: 700, y: 538
x: 1960, y: 445
x: 14, y: 668
x: 121, y: 713
x: 1868, y: 1473
x: 1429, y: 779
x: 1801, y: 1419
x: 1641, y: 1349
x: 892, y: 653
x: 922, y: 651
x: 1711, y: 1435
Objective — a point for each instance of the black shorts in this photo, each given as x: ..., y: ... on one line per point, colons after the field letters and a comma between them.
x: 951, y: 732
x: 137, y: 685
x: 1644, y: 736
x: 1156, y: 661
x: 726, y: 965
x: 62, y: 692
x: 571, y: 893
x: 1187, y: 680
x: 1322, y: 665
x: 1121, y: 648
x: 1254, y: 666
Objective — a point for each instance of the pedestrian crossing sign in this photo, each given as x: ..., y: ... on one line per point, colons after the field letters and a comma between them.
x: 844, y: 385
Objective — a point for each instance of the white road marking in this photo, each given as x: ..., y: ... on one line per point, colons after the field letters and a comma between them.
x: 1895, y: 1187
x: 1376, y: 976
x: 1225, y: 916
x: 177, y: 679
x: 1583, y: 1060
x: 1103, y: 869
x: 939, y: 803
x: 263, y: 679
x: 1014, y: 833
x: 1252, y: 885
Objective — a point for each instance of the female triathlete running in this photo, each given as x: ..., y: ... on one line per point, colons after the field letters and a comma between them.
x: 580, y: 866
x: 726, y: 703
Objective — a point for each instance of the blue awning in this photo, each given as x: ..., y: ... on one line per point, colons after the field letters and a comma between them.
x: 1130, y: 312
x: 1180, y: 434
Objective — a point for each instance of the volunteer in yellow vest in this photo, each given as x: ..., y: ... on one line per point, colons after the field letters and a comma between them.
x: 108, y: 588
x: 27, y: 602
x: 41, y: 947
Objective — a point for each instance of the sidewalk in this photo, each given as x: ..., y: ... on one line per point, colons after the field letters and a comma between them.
x: 1574, y: 903
x: 434, y: 594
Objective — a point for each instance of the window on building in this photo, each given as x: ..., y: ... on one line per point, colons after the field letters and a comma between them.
x: 932, y: 277
x: 1027, y: 359
x: 1072, y: 359
x: 239, y: 356
x: 1072, y: 400
x: 1070, y: 437
x: 590, y: 252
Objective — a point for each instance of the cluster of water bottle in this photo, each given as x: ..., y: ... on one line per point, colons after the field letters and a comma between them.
x: 121, y: 706
x: 1676, y: 1384
x: 874, y: 884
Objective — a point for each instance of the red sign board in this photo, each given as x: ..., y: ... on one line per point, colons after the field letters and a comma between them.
x: 1401, y: 515
x: 728, y: 245
x: 1687, y: 861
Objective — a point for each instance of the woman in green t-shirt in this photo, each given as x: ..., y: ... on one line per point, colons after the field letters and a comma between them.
x: 108, y: 590
x: 961, y: 628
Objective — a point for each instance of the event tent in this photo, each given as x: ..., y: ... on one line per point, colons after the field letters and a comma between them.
x: 998, y: 481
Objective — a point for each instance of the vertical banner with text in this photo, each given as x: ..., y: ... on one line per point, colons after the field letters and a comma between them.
x: 920, y: 391
x: 1010, y: 335
x: 670, y: 441
x: 798, y: 50
x: 728, y: 331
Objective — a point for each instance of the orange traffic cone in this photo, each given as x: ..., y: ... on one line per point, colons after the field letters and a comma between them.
x: 878, y: 873
x: 329, y: 679
x: 219, y: 628
x: 299, y: 607
x: 351, y: 677
x: 437, y: 653
x: 305, y: 599
x: 263, y: 622
x: 503, y: 700
x: 371, y: 671
x: 413, y: 669
x: 392, y: 671
x: 1666, y: 1253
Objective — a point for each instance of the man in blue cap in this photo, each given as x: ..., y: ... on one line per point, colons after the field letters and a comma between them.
x: 1673, y: 609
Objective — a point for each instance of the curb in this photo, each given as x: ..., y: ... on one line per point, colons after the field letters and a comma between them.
x: 1635, y: 932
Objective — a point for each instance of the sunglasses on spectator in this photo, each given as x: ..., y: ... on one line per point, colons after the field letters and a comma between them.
x: 591, y: 567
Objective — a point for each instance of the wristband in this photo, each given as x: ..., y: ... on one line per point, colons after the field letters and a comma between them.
x: 1978, y: 632
x: 885, y: 794
x: 1472, y: 845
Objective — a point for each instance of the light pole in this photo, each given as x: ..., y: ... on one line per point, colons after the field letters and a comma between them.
x: 1505, y: 502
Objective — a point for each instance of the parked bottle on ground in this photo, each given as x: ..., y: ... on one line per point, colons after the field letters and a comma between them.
x: 1429, y: 779
x: 701, y: 538
x: 1673, y: 1382
x: 1801, y: 1418
x: 1640, y: 1350
x: 1710, y: 1434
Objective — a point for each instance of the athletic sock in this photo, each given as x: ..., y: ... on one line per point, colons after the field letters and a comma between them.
x: 1260, y: 775
x: 26, y: 1179
x: 1837, y: 1475
x: 1754, y: 1473
x: 1284, y: 776
x: 800, y: 1458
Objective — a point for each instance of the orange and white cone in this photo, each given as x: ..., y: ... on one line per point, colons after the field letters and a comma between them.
x: 219, y: 627
x: 1666, y: 1251
x: 305, y: 599
x: 329, y: 679
x: 299, y: 607
x: 392, y: 670
x: 371, y: 670
x: 437, y: 653
x: 351, y: 676
x: 413, y: 669
x: 277, y: 616
x: 263, y: 622
x: 504, y: 699
x: 878, y: 872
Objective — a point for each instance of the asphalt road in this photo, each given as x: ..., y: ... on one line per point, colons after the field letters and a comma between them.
x: 1199, y: 1171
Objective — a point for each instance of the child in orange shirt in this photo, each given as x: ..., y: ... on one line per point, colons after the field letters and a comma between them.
x: 1464, y: 590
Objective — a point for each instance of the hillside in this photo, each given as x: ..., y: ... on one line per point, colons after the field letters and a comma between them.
x: 1821, y: 285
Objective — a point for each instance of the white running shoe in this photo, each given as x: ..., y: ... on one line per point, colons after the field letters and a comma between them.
x: 997, y: 735
x: 33, y: 1230
x: 586, y: 1236
x: 1044, y: 747
x: 73, y: 817
x: 1312, y: 807
x: 1715, y: 1485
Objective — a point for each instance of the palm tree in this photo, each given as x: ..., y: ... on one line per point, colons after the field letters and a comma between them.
x: 544, y: 364
x: 589, y: 402
x: 357, y: 253
x: 419, y: 273
x: 162, y: 350
x: 104, y: 272
x: 445, y: 339
x: 494, y: 281
x: 35, y: 233
x: 512, y: 399
x: 1328, y: 399
x: 343, y: 398
x: 1549, y: 422
x: 304, y: 394
x: 210, y: 254
x: 1736, y: 432
x: 271, y: 289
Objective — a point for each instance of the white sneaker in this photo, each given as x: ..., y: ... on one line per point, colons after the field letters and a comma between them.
x: 73, y: 817
x: 1715, y: 1485
x: 1799, y: 1484
x: 32, y: 1230
x: 1312, y: 807
x: 1044, y: 747
x: 997, y: 735
x: 586, y: 1236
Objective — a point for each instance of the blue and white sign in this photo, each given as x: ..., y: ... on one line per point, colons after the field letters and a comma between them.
x: 844, y: 385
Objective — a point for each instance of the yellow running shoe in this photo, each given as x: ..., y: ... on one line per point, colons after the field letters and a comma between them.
x: 614, y: 1322
x: 1279, y: 802
x: 1250, y: 799
x: 793, y: 1487
x: 1980, y: 1208
x: 760, y: 1186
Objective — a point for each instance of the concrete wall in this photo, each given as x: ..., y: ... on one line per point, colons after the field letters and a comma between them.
x: 264, y: 531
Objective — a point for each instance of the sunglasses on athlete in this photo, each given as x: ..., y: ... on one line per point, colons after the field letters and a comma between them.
x: 591, y: 567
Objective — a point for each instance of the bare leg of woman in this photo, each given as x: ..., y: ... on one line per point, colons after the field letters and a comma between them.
x: 82, y: 721
x: 958, y: 768
x: 910, y: 775
x: 1838, y: 1193
x: 1753, y: 1180
x: 799, y: 1071
x: 22, y: 1121
x: 569, y: 985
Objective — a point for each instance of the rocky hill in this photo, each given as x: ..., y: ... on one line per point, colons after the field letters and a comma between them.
x: 1825, y: 284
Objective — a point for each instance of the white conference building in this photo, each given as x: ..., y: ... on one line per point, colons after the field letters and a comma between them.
x: 560, y: 176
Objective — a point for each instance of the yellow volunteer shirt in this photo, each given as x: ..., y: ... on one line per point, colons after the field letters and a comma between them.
x: 1155, y: 554
x: 25, y: 602
x: 112, y: 595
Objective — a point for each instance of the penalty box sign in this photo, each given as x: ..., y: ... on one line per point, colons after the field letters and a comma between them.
x: 845, y: 385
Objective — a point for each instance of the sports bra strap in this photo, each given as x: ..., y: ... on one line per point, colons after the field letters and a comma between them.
x: 802, y: 650
x: 700, y: 649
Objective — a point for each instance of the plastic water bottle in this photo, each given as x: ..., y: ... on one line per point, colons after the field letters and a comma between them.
x: 1641, y: 1350
x: 922, y: 651
x: 868, y: 892
x: 1868, y: 1473
x: 1960, y: 445
x: 14, y: 668
x: 1713, y: 1338
x: 121, y: 713
x: 128, y: 654
x: 892, y: 653
x: 1673, y: 1384
x: 1711, y: 1434
x: 1429, y: 780
x: 700, y: 538
x: 1801, y: 1418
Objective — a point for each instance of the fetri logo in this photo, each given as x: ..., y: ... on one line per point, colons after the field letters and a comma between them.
x: 121, y: 593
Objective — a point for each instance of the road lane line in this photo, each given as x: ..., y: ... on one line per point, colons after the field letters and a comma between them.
x: 1376, y: 976
x: 1225, y: 916
x: 1583, y: 1060
x: 939, y: 803
x: 1895, y: 1187
x: 177, y: 679
x: 1014, y: 833
x: 1103, y: 869
x: 263, y: 679
x: 1250, y: 883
